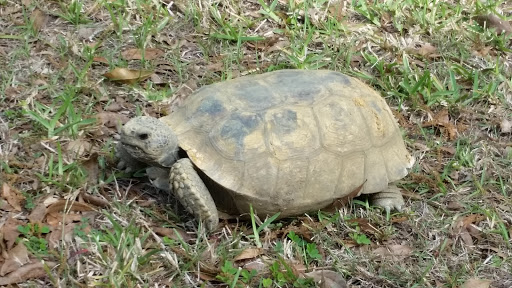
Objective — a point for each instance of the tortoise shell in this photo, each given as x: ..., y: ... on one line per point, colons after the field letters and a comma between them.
x: 290, y: 141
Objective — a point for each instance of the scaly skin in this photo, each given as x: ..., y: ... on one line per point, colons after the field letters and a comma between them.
x: 193, y: 194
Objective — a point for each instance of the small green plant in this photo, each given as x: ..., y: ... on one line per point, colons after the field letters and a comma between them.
x: 257, y: 230
x: 308, y: 249
x: 32, y: 238
x: 73, y: 13
x: 232, y: 275
x: 360, y: 238
x: 50, y: 119
x: 282, y: 274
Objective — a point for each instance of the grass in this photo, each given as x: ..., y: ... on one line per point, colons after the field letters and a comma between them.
x: 446, y: 77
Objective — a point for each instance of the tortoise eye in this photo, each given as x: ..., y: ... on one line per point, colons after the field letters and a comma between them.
x: 143, y: 136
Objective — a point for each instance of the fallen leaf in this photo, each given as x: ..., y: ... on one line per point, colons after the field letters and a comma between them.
x: 95, y: 200
x: 427, y: 49
x: 55, y: 219
x: 393, y: 251
x: 364, y: 225
x: 13, y: 198
x: 26, y: 3
x: 38, y: 213
x: 442, y: 119
x: 128, y: 76
x: 18, y: 256
x: 91, y: 167
x: 10, y: 231
x: 136, y: 54
x: 113, y: 107
x: 215, y: 67
x: 454, y: 205
x: 337, y: 9
x: 491, y: 21
x: 78, y: 147
x: 111, y: 119
x: 57, y: 235
x: 327, y: 279
x: 470, y: 219
x: 100, y: 59
x: 171, y: 233
x: 38, y: 19
x: 60, y: 205
x: 249, y: 253
x: 505, y: 126
x: 476, y: 283
x: 31, y: 271
x: 256, y: 264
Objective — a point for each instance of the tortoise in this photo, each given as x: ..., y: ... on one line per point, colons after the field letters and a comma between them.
x: 288, y: 141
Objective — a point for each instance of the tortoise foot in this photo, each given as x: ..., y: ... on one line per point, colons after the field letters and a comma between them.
x: 389, y: 199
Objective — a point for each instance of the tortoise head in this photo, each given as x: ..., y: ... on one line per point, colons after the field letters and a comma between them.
x: 151, y: 141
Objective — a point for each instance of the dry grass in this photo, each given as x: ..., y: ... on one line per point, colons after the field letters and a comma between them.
x: 447, y: 78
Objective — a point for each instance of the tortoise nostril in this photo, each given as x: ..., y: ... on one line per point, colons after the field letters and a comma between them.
x: 143, y: 136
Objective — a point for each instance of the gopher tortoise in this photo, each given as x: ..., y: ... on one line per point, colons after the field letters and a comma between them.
x: 288, y: 141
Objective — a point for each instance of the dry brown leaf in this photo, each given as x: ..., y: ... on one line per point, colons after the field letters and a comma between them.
x: 128, y: 76
x: 393, y: 251
x: 476, y: 283
x: 215, y: 67
x: 491, y: 21
x: 38, y: 19
x: 91, y: 167
x: 38, y: 213
x: 364, y: 225
x: 26, y: 3
x: 31, y: 271
x: 95, y: 200
x: 18, y: 256
x: 55, y: 219
x: 10, y: 231
x: 466, y: 237
x: 427, y: 49
x: 13, y: 198
x: 111, y: 119
x: 442, y: 119
x: 470, y: 219
x: 60, y: 205
x: 505, y: 126
x: 337, y: 9
x: 57, y: 235
x: 100, y: 59
x: 113, y: 107
x: 171, y: 233
x: 78, y: 147
x: 327, y: 279
x: 249, y: 253
x: 136, y: 54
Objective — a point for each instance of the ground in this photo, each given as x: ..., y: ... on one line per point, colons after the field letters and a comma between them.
x: 73, y: 71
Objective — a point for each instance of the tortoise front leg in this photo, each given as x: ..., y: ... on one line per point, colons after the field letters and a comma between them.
x: 193, y: 194
x: 389, y: 199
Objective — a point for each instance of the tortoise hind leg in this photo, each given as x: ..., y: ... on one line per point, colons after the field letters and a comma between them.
x: 193, y: 194
x: 389, y: 199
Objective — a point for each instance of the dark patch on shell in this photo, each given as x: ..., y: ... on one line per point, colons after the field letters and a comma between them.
x: 256, y: 96
x: 285, y: 121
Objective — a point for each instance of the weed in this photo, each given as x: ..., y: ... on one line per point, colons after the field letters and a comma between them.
x: 32, y: 238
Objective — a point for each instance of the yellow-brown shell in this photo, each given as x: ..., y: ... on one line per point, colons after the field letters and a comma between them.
x: 291, y: 141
